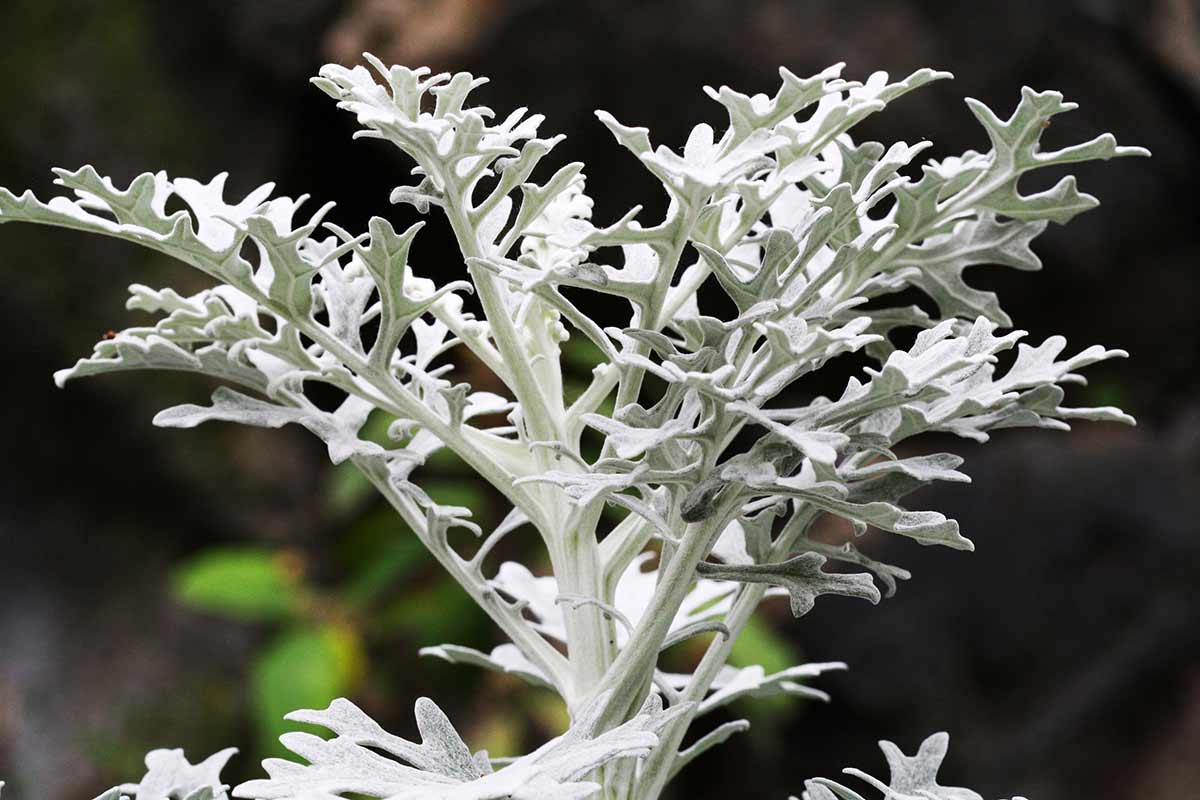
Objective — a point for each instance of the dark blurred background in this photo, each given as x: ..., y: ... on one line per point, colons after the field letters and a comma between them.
x: 168, y: 588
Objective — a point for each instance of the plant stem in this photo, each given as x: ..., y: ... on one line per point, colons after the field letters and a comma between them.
x: 656, y: 770
x: 508, y: 618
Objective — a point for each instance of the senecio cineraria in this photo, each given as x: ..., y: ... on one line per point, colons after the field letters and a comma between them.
x: 716, y: 485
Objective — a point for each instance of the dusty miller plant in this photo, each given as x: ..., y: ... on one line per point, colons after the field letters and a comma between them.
x: 718, y: 483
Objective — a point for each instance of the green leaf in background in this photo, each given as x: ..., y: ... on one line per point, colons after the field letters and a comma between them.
x: 347, y: 489
x: 433, y: 613
x: 761, y: 644
x: 467, y: 494
x: 301, y: 668
x: 501, y: 733
x: 581, y: 355
x: 379, y: 551
x: 547, y: 709
x: 247, y: 583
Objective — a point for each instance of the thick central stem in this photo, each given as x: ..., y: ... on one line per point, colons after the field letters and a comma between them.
x: 571, y: 533
x: 625, y: 682
x: 591, y: 635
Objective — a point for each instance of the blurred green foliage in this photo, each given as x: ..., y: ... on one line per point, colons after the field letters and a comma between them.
x: 305, y: 666
x: 246, y: 583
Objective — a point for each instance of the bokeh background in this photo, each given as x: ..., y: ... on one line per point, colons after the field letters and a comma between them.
x: 168, y: 588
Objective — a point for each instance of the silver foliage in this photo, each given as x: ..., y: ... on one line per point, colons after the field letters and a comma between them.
x: 169, y: 776
x: 911, y: 777
x: 441, y: 766
x: 809, y: 233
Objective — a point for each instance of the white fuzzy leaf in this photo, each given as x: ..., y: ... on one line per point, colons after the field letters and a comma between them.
x: 505, y: 658
x: 170, y: 776
x: 911, y: 776
x: 441, y: 767
x: 338, y: 429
